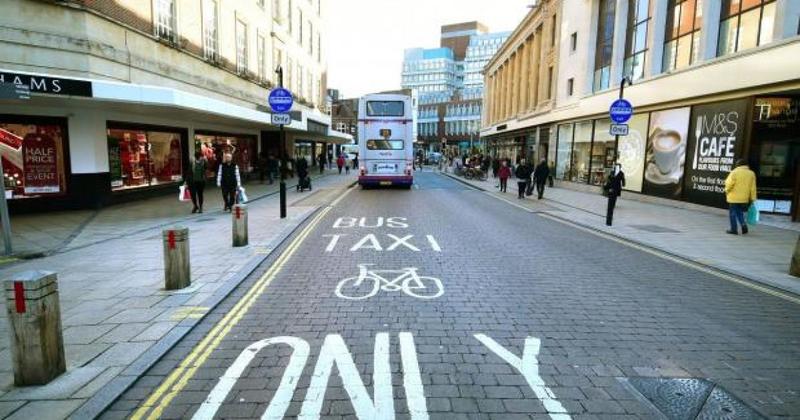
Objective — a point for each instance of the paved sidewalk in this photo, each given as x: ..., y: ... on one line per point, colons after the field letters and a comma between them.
x: 117, y: 319
x: 46, y: 233
x: 763, y: 255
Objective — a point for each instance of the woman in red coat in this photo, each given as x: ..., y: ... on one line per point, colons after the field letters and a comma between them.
x: 504, y: 173
x: 340, y: 163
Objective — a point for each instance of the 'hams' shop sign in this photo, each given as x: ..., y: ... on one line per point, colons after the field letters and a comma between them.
x: 49, y: 85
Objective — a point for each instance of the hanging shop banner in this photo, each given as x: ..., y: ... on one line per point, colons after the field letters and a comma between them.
x: 40, y: 168
x: 666, y: 153
x: 715, y: 135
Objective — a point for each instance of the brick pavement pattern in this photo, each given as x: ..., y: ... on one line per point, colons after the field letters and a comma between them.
x: 602, y: 310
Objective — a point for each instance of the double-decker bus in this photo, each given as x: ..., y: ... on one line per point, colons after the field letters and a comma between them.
x: 386, y: 140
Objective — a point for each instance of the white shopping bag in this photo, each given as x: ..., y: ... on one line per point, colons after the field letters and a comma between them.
x: 184, y: 194
x: 242, y: 195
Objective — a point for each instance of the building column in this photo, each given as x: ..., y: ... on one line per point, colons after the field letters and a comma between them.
x: 507, y: 73
x: 591, y: 38
x: 787, y: 15
x: 709, y: 35
x: 524, y: 51
x: 654, y: 58
x: 501, y: 93
x: 536, y: 66
x: 515, y: 71
x: 618, y: 49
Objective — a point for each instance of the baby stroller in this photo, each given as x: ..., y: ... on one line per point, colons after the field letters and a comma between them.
x: 304, y: 184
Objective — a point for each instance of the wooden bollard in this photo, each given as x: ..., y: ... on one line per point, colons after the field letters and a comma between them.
x: 34, y: 317
x: 239, y: 228
x: 177, y: 274
x: 794, y: 269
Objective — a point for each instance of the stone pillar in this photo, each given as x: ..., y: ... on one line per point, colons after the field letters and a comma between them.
x: 177, y: 273
x: 34, y: 318
x: 524, y: 76
x: 239, y: 228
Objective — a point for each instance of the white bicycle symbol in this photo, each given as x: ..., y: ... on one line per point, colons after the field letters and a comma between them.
x: 369, y: 282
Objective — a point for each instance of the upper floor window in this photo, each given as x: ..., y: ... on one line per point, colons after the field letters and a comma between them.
x: 260, y: 3
x: 300, y: 27
x: 261, y: 53
x: 165, y: 19
x: 573, y: 41
x: 745, y: 24
x: 241, y: 46
x: 605, y: 43
x: 210, y: 29
x: 636, y: 39
x: 684, y: 22
x: 289, y: 19
x: 310, y: 38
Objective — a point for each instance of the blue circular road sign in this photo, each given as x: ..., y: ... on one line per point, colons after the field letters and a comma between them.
x: 280, y: 100
x: 621, y: 111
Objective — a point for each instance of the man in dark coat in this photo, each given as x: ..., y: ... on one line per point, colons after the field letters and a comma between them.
x: 613, y: 187
x: 523, y: 174
x: 540, y: 175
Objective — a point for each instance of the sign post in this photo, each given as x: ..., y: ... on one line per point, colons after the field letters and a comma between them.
x: 620, y: 112
x: 281, y: 101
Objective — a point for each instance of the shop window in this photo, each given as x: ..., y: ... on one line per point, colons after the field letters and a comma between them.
x: 745, y: 24
x: 775, y: 152
x: 581, y: 152
x: 603, y: 151
x: 684, y: 18
x: 34, y: 162
x: 143, y: 158
x: 213, y: 145
x: 564, y: 151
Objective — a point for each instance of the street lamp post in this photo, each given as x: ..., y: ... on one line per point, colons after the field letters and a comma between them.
x: 284, y: 169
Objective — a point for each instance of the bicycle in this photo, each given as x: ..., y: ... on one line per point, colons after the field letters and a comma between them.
x: 408, y: 281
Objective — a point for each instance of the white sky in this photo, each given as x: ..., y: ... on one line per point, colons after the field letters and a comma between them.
x: 365, y: 39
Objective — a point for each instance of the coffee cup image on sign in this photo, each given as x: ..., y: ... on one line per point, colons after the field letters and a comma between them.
x: 667, y: 146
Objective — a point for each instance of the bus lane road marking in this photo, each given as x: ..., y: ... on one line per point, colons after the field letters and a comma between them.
x: 152, y: 408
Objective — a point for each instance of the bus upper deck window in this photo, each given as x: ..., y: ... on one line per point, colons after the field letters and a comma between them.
x: 385, y: 109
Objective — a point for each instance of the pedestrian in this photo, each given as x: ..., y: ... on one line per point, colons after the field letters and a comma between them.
x: 550, y: 175
x: 197, y: 181
x: 229, y: 180
x: 740, y: 193
x: 340, y: 163
x: 613, y: 187
x: 504, y: 172
x: 263, y: 167
x: 301, y: 166
x: 540, y: 175
x: 523, y: 174
x: 355, y: 162
x: 495, y: 167
x: 321, y: 160
x: 272, y: 169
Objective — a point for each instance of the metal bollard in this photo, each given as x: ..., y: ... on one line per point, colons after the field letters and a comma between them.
x: 177, y: 274
x: 239, y: 218
x: 794, y: 268
x: 34, y: 317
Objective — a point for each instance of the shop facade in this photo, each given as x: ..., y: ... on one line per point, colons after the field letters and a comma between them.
x: 686, y: 152
x: 90, y: 145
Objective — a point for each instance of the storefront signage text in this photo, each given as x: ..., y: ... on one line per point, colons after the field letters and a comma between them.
x: 714, y: 135
x: 40, y: 167
x: 49, y: 85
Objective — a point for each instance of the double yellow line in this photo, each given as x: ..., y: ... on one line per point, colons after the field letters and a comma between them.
x: 177, y: 380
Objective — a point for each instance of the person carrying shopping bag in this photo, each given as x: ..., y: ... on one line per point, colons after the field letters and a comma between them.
x: 197, y: 181
x: 229, y: 180
x: 740, y: 193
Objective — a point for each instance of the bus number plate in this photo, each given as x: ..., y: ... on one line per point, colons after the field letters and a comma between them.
x: 386, y: 182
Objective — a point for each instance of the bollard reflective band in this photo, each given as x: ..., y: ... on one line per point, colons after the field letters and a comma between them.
x: 19, y: 297
x: 171, y: 239
x: 238, y: 212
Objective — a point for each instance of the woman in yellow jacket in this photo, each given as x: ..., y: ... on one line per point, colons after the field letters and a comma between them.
x: 740, y: 192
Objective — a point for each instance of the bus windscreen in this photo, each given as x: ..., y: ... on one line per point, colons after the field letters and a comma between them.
x: 384, y: 144
x: 385, y: 109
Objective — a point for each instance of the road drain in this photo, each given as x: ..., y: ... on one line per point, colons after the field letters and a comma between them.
x: 689, y: 399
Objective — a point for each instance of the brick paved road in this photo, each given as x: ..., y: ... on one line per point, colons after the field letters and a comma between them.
x: 584, y: 310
